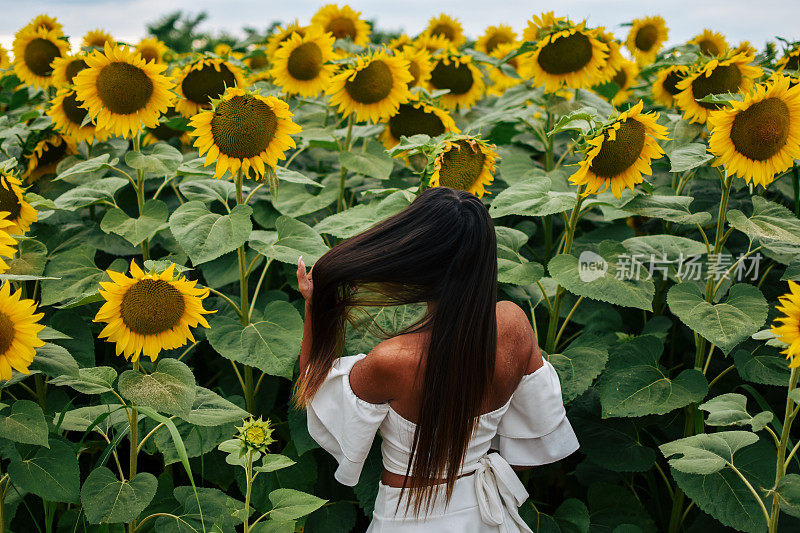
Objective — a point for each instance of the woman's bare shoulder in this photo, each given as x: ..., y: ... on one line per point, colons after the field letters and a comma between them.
x: 385, y: 369
x: 516, y: 338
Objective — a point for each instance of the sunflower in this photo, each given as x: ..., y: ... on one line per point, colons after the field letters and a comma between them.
x: 68, y: 115
x: 400, y: 42
x: 415, y: 118
x: 745, y: 48
x: 34, y: 51
x: 760, y: 136
x: 300, y: 65
x: 122, y: 92
x: 539, y: 24
x: 281, y: 34
x: 97, y: 39
x: 665, y: 86
x: 162, y: 132
x: 432, y: 43
x: 458, y: 74
x: 343, y: 23
x: 373, y: 87
x: 5, y: 61
x: 244, y: 131
x: 19, y: 331
x: 419, y: 65
x: 46, y: 155
x: 710, y: 42
x: 787, y: 326
x: 615, y: 59
x: 726, y: 74
x: 494, y: 36
x: 624, y: 78
x: 447, y: 27
x: 8, y: 244
x: 45, y: 21
x: 646, y: 37
x: 621, y: 153
x: 66, y: 67
x: 256, y: 434
x: 150, y: 312
x: 573, y: 57
x: 500, y: 80
x: 151, y: 49
x: 790, y: 60
x: 257, y: 59
x: 203, y: 80
x: 464, y: 163
x: 12, y: 202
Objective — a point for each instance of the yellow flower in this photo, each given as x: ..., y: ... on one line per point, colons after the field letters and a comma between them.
x: 790, y: 60
x: 419, y: 65
x: 433, y: 44
x: 66, y: 67
x: 299, y: 64
x: 150, y: 312
x: 68, y: 116
x: 745, y: 48
x: 34, y: 51
x: 19, y: 331
x: 573, y: 57
x: 44, y: 21
x: 5, y: 61
x: 244, y: 131
x: 414, y: 118
x: 257, y: 59
x: 624, y: 78
x: 621, y: 153
x: 787, y: 327
x: 760, y: 136
x: 540, y: 24
x: 203, y: 80
x: 8, y: 244
x: 615, y: 59
x: 726, y: 74
x: 711, y: 43
x: 447, y: 27
x: 19, y: 213
x: 500, y: 80
x: 494, y: 36
x: 458, y: 74
x: 646, y: 38
x: 46, y: 156
x: 123, y: 93
x: 281, y: 34
x: 151, y: 49
x: 256, y: 434
x: 399, y: 42
x: 665, y: 86
x: 97, y: 39
x: 464, y: 163
x: 372, y: 88
x: 343, y: 23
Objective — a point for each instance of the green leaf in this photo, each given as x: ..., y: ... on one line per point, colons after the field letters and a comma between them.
x: 763, y: 369
x: 272, y: 462
x: 52, y: 474
x: 295, y: 200
x: 108, y: 500
x: 211, y: 409
x: 170, y: 389
x: 363, y: 216
x: 612, y: 443
x: 515, y: 269
x: 136, y: 230
x: 531, y: 197
x: 731, y: 410
x: 54, y: 361
x: 160, y: 159
x: 85, y: 170
x: 271, y: 344
x: 94, y: 380
x: 374, y: 162
x: 612, y: 505
x: 103, y: 416
x: 90, y: 193
x: 298, y: 429
x: 769, y: 222
x: 669, y: 208
x: 604, y: 284
x: 689, y: 156
x: 336, y: 517
x: 292, y: 239
x: 205, y: 235
x: 291, y: 176
x: 30, y: 260
x: 208, y: 190
x: 663, y: 247
x: 788, y: 490
x: 289, y: 504
x: 706, y: 453
x: 77, y: 272
x: 275, y: 526
x: 725, y: 324
x: 572, y: 516
x: 24, y: 423
x: 635, y: 384
x: 370, y: 322
x: 579, y: 364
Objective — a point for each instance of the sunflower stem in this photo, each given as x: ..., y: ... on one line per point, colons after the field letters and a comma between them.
x: 249, y: 480
x: 780, y: 471
x: 137, y: 147
x: 244, y: 306
x: 2, y: 502
x: 340, y: 206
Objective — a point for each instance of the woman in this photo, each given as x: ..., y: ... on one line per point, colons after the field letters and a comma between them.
x: 468, y: 377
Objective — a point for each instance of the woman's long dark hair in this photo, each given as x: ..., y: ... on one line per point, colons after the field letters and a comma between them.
x: 441, y: 249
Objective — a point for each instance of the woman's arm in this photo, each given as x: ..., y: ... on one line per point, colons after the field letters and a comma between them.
x: 306, y: 286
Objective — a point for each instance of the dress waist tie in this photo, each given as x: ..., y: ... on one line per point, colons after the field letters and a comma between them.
x: 499, y: 489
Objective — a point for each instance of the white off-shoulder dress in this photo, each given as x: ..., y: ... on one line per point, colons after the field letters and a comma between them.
x: 531, y: 429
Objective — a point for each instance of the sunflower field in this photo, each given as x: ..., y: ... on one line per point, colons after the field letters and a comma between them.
x: 155, y: 198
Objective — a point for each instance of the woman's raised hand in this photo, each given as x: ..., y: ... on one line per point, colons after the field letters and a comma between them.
x: 304, y: 281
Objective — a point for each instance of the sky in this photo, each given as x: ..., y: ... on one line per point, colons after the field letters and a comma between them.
x: 756, y: 21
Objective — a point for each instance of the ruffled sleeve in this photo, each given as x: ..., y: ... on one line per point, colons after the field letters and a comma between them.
x: 342, y: 423
x: 535, y: 430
